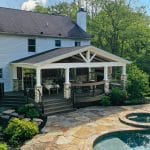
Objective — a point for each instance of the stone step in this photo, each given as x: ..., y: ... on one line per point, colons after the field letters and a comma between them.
x: 59, y: 111
x: 55, y: 104
x: 59, y: 107
x: 54, y: 100
x: 11, y: 105
x: 12, y: 97
x: 12, y: 101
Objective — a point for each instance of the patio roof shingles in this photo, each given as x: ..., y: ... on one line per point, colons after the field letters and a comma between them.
x: 37, y: 58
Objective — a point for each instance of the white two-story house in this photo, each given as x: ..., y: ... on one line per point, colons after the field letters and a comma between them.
x: 23, y: 34
x: 54, y: 47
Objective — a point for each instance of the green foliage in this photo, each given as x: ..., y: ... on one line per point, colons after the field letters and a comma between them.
x: 143, y: 62
x: 119, y: 29
x: 138, y: 82
x: 105, y: 101
x: 62, y: 8
x: 3, y: 146
x: 118, y: 96
x: 29, y: 110
x: 136, y: 101
x: 18, y: 131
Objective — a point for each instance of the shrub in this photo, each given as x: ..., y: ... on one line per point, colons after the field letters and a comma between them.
x: 18, y: 131
x: 3, y: 146
x: 29, y: 110
x: 136, y: 101
x: 138, y: 82
x: 118, y: 96
x: 105, y: 101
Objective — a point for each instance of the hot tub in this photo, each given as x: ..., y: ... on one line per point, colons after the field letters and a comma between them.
x: 136, y: 119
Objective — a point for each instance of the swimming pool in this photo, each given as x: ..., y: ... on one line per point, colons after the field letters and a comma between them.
x: 124, y: 140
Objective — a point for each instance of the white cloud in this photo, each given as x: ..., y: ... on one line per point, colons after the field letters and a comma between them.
x: 30, y: 5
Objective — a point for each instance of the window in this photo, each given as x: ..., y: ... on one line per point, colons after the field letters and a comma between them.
x: 58, y: 43
x: 1, y: 73
x: 77, y: 43
x: 31, y: 45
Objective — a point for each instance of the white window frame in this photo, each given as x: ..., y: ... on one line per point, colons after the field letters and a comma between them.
x: 77, y: 44
x: 31, y: 45
x: 56, y: 43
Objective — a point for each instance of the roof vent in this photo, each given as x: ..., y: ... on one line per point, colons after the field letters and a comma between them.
x: 59, y: 34
x: 41, y: 32
x: 46, y: 24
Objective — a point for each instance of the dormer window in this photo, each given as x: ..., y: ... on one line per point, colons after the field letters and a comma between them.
x: 31, y: 45
x: 58, y: 43
x: 77, y: 43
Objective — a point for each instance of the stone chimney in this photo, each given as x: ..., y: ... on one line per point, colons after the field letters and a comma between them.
x: 81, y: 19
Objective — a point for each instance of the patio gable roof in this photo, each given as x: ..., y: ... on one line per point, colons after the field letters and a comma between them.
x: 58, y: 54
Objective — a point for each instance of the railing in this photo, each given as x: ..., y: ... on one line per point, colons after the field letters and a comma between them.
x: 115, y: 84
x: 41, y: 100
x: 30, y: 93
x: 86, y: 92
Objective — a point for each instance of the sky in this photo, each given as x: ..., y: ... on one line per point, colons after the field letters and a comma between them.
x: 29, y: 4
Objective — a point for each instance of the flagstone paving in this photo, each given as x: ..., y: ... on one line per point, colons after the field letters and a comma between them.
x: 78, y: 130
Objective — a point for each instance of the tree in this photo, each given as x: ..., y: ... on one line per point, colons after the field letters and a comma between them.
x: 119, y: 29
x: 138, y: 83
x: 62, y: 8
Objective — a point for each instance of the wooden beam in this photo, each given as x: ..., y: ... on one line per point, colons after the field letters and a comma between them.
x: 78, y: 58
x: 85, y: 59
x: 88, y: 56
x: 80, y: 65
x: 92, y: 57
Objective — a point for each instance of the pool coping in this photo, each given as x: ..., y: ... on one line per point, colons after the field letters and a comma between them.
x: 123, y: 118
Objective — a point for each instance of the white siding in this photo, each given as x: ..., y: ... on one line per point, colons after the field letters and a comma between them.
x: 16, y: 47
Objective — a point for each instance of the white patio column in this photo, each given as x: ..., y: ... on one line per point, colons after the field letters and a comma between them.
x: 38, y: 87
x: 38, y: 77
x: 14, y: 78
x: 67, y: 91
x: 124, y: 77
x: 14, y: 72
x: 90, y: 74
x: 106, y: 85
x: 22, y: 78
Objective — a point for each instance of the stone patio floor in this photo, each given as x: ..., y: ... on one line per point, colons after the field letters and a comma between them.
x: 78, y: 130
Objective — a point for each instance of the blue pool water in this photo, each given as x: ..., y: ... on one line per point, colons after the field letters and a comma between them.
x: 139, y: 117
x: 124, y: 140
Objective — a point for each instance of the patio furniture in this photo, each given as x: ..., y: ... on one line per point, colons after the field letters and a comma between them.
x: 50, y: 87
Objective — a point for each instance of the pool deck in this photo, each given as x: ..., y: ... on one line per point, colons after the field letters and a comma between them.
x: 78, y: 130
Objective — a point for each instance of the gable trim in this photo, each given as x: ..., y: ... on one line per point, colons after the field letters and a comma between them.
x: 93, y: 49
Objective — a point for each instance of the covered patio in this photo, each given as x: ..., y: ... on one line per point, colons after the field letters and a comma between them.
x: 75, y: 71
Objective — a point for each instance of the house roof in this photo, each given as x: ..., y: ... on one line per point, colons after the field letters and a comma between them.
x: 19, y: 22
x: 61, y: 53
